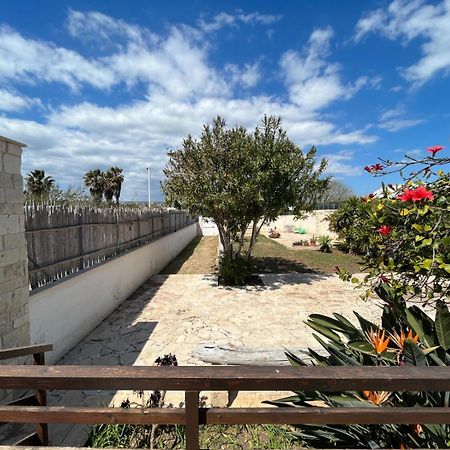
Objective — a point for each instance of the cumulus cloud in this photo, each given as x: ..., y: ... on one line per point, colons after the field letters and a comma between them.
x: 339, y: 164
x: 414, y: 19
x: 246, y: 76
x: 12, y: 101
x: 175, y: 87
x: 313, y: 82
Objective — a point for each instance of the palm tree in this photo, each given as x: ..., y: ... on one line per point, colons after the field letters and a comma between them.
x: 95, y: 181
x: 114, y: 181
x: 39, y: 185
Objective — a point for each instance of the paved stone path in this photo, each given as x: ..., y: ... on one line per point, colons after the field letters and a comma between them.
x: 177, y: 313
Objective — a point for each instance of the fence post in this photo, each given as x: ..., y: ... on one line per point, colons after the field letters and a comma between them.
x: 192, y: 420
x: 41, y: 396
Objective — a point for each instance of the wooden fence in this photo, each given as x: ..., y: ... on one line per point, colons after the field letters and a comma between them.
x: 192, y: 380
x: 62, y: 240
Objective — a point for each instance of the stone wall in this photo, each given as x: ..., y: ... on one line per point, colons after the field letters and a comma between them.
x: 14, y: 312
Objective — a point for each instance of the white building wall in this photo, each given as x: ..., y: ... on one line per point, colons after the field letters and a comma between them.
x: 67, y: 311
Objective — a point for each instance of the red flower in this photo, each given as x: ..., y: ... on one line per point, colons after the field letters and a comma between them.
x: 415, y: 195
x: 384, y: 230
x: 422, y: 193
x: 435, y: 149
x: 406, y: 196
x: 374, y: 168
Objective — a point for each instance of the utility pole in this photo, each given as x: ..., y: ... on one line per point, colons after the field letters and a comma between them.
x: 148, y: 186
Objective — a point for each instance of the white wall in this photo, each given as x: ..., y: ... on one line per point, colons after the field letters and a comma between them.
x: 314, y: 223
x: 66, y: 312
x: 207, y: 227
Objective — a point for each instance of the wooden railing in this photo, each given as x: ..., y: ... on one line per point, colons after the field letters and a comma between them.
x: 39, y: 398
x: 192, y: 380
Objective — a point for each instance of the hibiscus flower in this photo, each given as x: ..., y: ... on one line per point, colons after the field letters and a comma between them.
x: 384, y: 230
x: 415, y: 195
x: 435, y: 149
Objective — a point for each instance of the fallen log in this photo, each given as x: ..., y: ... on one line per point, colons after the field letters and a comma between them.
x: 236, y: 356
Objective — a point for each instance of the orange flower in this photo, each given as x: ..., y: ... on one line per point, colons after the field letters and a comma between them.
x: 399, y: 339
x: 377, y: 397
x: 379, y: 342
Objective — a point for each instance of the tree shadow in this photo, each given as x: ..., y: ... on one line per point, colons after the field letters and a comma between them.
x: 271, y: 264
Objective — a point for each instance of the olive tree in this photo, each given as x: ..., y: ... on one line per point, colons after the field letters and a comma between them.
x: 243, y: 180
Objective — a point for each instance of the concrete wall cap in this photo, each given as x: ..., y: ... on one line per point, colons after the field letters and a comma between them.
x: 12, y: 141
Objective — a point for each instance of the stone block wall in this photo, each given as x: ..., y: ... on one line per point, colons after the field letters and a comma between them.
x: 14, y: 312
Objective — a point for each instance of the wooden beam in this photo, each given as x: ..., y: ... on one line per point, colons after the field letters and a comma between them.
x: 387, y: 415
x: 192, y: 420
x: 231, y: 416
x: 25, y: 351
x: 91, y: 416
x: 242, y: 378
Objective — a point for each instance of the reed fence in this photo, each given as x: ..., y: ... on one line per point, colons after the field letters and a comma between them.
x: 62, y: 240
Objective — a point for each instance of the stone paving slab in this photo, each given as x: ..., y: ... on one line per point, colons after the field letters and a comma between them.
x: 177, y: 313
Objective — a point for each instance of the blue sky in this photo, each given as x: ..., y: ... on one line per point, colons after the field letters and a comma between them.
x: 90, y: 84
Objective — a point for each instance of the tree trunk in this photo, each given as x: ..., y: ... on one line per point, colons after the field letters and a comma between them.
x: 241, y: 240
x: 255, y: 232
x: 225, y: 240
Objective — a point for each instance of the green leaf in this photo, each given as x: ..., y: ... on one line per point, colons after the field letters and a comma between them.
x: 413, y: 355
x: 363, y: 347
x: 417, y: 227
x: 293, y: 359
x: 331, y: 323
x: 442, y: 324
x: 324, y: 331
x: 422, y: 325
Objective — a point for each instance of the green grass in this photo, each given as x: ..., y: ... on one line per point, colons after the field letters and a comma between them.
x: 273, y: 257
x: 199, y: 256
x: 231, y: 437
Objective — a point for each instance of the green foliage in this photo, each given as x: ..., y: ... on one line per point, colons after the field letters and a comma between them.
x: 350, y: 222
x: 107, y: 184
x: 234, y: 271
x: 414, y: 339
x: 38, y: 186
x: 325, y: 243
x: 241, y: 179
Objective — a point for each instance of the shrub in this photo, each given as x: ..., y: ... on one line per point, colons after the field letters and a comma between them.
x: 325, y: 243
x: 350, y: 222
x: 407, y: 336
x: 234, y: 272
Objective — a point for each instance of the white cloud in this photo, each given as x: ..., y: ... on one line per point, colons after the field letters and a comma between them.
x: 392, y: 120
x: 12, y: 101
x: 183, y: 90
x: 313, y: 82
x: 410, y: 19
x: 247, y: 76
x: 338, y: 164
x: 223, y: 19
x: 32, y: 61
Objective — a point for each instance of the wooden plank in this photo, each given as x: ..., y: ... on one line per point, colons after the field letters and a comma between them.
x: 230, y: 416
x: 192, y: 420
x: 387, y: 415
x: 24, y: 351
x: 90, y: 416
x: 245, y: 378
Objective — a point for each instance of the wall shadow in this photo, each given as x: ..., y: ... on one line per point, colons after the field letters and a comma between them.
x: 117, y: 341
